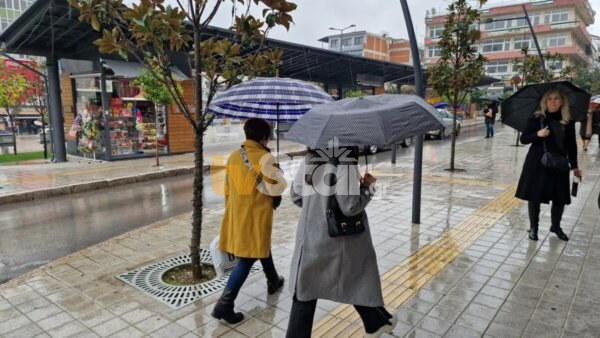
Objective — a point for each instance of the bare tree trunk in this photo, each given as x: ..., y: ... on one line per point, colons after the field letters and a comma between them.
x: 156, y: 107
x: 13, y: 126
x: 453, y: 146
x: 198, y: 161
x: 197, y: 206
x: 44, y: 138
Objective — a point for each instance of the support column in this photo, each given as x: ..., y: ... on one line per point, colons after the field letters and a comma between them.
x: 55, y: 112
x: 106, y: 114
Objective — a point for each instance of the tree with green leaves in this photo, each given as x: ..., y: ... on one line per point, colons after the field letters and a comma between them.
x: 154, y: 89
x: 148, y: 31
x: 460, y: 66
x: 13, y: 89
x: 529, y: 68
x: 38, y: 99
x: 588, y: 79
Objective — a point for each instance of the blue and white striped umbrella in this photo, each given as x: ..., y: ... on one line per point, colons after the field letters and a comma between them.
x: 269, y: 98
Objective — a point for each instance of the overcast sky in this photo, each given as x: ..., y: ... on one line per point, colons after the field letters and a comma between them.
x: 314, y: 17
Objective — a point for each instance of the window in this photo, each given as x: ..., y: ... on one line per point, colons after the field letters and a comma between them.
x: 498, y: 25
x: 496, y: 45
x: 436, y: 31
x: 346, y: 41
x: 359, y: 40
x: 555, y: 40
x: 434, y: 51
x: 521, y: 43
x: 555, y: 65
x: 560, y: 15
x: 495, y: 67
x: 333, y: 43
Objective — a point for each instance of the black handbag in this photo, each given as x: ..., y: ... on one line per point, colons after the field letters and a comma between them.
x: 575, y: 187
x: 339, y: 224
x: 554, y: 161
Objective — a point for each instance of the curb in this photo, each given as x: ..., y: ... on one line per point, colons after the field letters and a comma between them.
x: 96, y: 185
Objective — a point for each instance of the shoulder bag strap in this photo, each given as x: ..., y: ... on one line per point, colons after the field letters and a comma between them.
x: 257, y: 177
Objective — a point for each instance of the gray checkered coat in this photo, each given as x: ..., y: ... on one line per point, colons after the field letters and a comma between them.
x: 342, y: 269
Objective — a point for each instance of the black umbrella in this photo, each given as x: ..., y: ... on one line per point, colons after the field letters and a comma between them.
x: 518, y: 108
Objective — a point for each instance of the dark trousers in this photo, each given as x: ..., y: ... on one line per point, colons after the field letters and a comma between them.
x: 242, y: 270
x: 489, y: 129
x: 303, y: 313
x: 556, y: 211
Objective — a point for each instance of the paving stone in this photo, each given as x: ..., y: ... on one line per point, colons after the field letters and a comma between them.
x: 13, y: 324
x: 55, y: 321
x: 502, y: 331
x: 66, y: 330
x: 29, y: 330
x: 110, y: 327
x: 537, y: 329
x: 130, y: 332
x: 253, y: 327
x: 435, y: 325
x: 151, y: 324
x: 457, y: 331
x: 418, y: 333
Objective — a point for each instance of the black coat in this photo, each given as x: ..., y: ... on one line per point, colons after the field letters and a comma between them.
x: 538, y: 184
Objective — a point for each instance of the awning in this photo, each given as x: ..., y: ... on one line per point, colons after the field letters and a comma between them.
x: 132, y: 70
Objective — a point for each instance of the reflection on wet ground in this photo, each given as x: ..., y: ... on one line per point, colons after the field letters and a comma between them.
x: 37, y: 232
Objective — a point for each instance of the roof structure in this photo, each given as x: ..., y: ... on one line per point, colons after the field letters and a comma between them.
x: 52, y: 27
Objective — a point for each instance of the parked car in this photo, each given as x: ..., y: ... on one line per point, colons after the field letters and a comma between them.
x: 374, y: 149
x: 447, y: 121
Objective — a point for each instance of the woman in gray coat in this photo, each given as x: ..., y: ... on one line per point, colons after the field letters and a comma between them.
x: 342, y: 269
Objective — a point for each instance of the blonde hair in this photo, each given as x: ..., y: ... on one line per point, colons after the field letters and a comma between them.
x: 564, y: 107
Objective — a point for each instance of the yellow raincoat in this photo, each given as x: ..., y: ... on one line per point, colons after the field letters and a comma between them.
x: 248, y: 219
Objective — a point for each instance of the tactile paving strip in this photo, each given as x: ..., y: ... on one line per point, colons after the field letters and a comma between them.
x: 403, y: 281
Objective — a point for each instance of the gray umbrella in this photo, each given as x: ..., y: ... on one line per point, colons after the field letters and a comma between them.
x: 364, y: 121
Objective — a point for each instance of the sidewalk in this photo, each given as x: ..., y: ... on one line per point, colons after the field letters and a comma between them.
x: 43, y: 179
x: 468, y: 270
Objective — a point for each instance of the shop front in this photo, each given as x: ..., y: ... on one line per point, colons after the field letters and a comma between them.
x: 112, y: 120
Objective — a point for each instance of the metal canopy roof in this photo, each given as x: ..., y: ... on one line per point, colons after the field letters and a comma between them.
x: 52, y: 27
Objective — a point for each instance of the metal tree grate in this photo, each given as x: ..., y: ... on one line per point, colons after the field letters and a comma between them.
x: 148, y: 279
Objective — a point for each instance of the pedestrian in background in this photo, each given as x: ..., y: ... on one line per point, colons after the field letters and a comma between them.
x: 550, y: 128
x: 490, y: 118
x: 341, y: 269
x: 250, y: 188
x: 585, y: 130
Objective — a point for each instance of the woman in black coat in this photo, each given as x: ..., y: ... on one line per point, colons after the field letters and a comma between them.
x: 552, y: 125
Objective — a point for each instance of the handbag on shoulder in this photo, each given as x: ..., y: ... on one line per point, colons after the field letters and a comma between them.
x: 259, y: 180
x: 554, y: 161
x: 339, y: 224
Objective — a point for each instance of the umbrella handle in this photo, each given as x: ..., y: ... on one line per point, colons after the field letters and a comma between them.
x: 366, y: 160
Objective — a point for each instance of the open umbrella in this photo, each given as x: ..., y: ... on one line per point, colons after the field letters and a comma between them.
x: 363, y: 121
x: 273, y: 99
x: 518, y: 108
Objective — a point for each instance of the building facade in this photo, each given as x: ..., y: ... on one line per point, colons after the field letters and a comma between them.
x: 10, y: 10
x: 370, y: 45
x: 559, y: 25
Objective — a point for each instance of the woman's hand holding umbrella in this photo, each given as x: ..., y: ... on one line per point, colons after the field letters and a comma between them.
x: 368, y: 180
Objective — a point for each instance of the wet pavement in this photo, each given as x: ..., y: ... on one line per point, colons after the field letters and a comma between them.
x: 468, y: 270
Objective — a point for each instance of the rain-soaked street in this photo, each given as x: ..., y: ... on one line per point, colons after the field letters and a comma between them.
x: 37, y: 232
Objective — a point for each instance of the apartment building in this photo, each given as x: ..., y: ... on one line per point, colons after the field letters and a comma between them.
x: 370, y: 45
x: 10, y: 10
x: 560, y: 27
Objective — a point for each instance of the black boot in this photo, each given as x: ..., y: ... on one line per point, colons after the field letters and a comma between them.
x: 559, y: 233
x: 533, y: 230
x: 274, y: 286
x: 224, y: 308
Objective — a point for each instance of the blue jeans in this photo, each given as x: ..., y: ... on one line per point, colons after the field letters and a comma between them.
x: 242, y: 270
x: 489, y: 129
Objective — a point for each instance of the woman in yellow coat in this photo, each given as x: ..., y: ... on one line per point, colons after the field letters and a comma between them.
x: 252, y: 186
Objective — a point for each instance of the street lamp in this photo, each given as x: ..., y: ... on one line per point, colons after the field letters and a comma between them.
x: 341, y: 33
x: 535, y: 41
x: 420, y: 86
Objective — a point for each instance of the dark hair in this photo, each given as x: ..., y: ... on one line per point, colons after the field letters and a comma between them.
x: 257, y: 129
